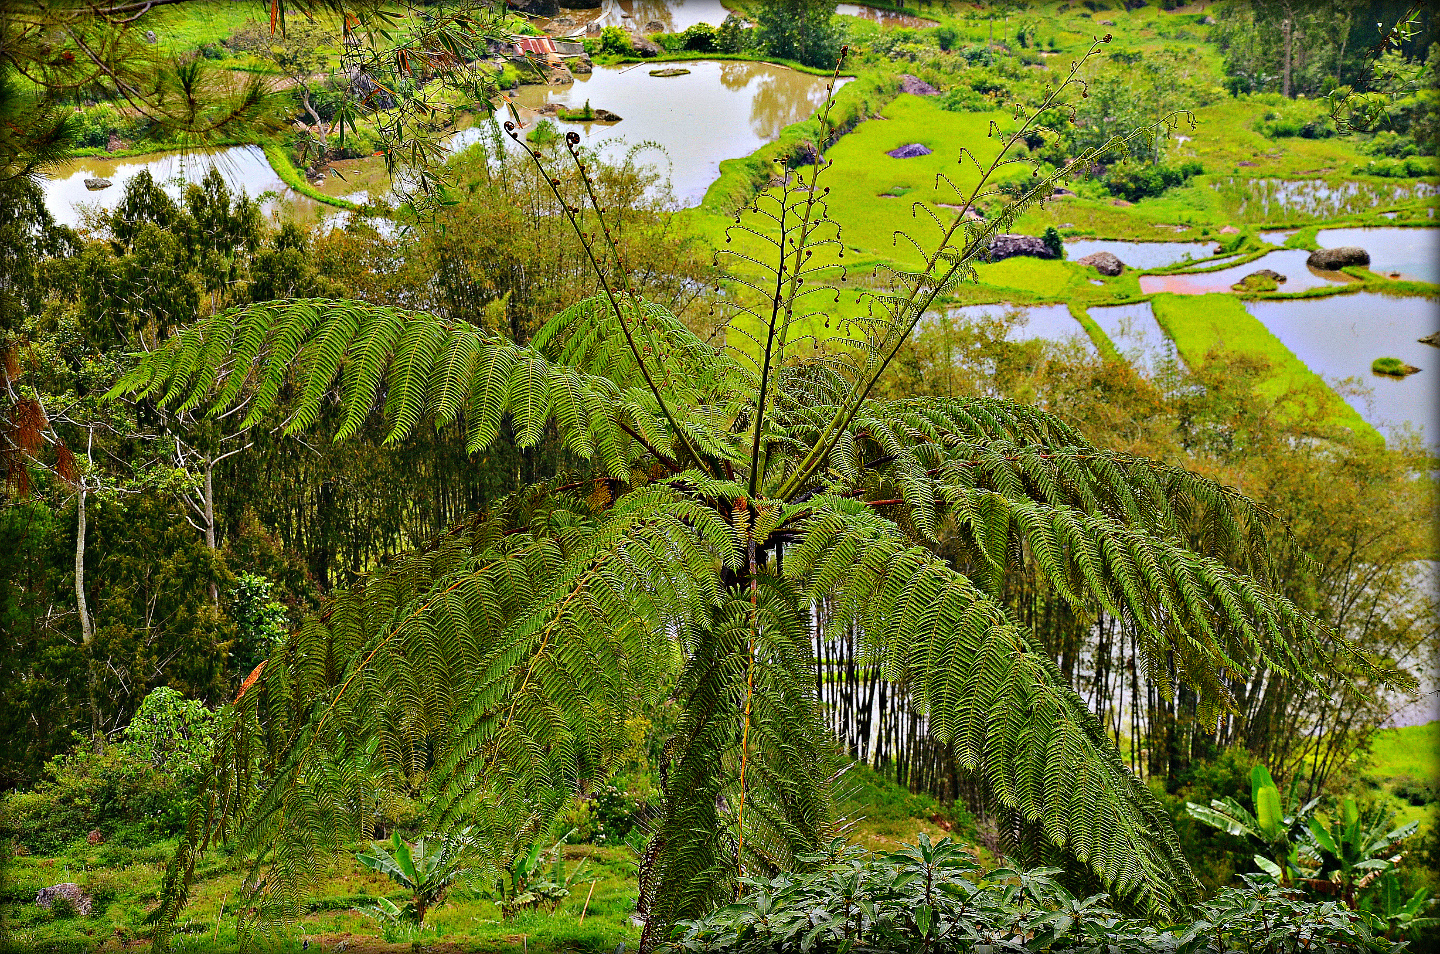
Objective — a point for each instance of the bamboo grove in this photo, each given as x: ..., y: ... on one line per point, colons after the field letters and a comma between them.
x: 736, y: 504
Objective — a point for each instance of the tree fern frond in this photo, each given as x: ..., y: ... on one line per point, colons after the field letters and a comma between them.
x: 983, y: 687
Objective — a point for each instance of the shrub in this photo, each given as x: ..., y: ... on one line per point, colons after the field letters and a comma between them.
x: 936, y: 898
x: 130, y: 800
x: 699, y: 38
x: 963, y: 99
x: 1133, y: 181
x: 1053, y: 242
x: 945, y: 37
x: 1413, y: 790
x: 1294, y: 119
x: 616, y: 42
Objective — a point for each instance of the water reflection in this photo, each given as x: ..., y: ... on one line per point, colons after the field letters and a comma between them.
x: 1050, y: 322
x: 1413, y: 253
x: 674, y: 16
x: 721, y: 109
x: 1289, y: 262
x: 1260, y: 200
x: 1338, y: 338
x: 883, y: 17
x: 244, y: 168
x: 1139, y: 255
x: 1136, y: 335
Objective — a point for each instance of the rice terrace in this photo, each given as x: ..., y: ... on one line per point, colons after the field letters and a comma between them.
x: 690, y: 476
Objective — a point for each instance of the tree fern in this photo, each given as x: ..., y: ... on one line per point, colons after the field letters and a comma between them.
x: 733, y: 485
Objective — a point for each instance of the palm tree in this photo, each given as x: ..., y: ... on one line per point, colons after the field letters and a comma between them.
x: 732, y: 499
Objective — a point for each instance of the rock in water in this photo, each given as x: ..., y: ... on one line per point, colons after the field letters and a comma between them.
x: 1269, y: 273
x: 95, y: 185
x: 46, y: 897
x: 915, y: 86
x: 1432, y: 339
x: 909, y: 152
x: 1334, y: 259
x: 1103, y: 262
x: 1008, y: 246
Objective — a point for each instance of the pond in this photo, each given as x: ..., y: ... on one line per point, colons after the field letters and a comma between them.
x: 883, y: 17
x: 1051, y: 322
x: 1338, y: 337
x: 1140, y: 255
x: 1412, y: 253
x: 719, y: 110
x: 243, y: 167
x: 1288, y: 200
x: 674, y: 16
x: 1136, y: 335
x: 1289, y: 262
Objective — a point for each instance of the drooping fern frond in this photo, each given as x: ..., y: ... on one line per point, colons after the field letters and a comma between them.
x: 500, y: 666
x: 408, y: 366
x: 983, y: 687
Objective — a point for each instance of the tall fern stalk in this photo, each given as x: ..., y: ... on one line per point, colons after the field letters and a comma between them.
x: 731, y: 495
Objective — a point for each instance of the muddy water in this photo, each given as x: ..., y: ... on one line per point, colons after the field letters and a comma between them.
x: 1136, y: 335
x: 674, y: 16
x: 1051, y: 322
x: 882, y: 17
x: 1139, y: 255
x: 243, y: 167
x: 1338, y: 338
x: 719, y: 110
x: 1413, y: 253
x: 1289, y: 262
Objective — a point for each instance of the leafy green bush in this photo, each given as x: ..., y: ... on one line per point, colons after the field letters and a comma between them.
x: 1133, y: 181
x: 1408, y: 168
x: 1389, y: 144
x: 105, y: 789
x: 963, y: 99
x: 615, y: 42
x: 699, y: 38
x: 945, y: 37
x: 133, y: 792
x: 94, y: 126
x: 1408, y: 788
x: 1296, y: 119
x: 1053, y: 241
x: 935, y: 898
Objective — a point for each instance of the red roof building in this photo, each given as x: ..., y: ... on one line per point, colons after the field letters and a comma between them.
x: 534, y: 45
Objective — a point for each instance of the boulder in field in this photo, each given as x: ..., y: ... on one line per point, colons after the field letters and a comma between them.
x: 69, y: 893
x: 909, y: 152
x: 1008, y: 246
x: 1334, y: 259
x: 1229, y: 230
x: 1103, y: 262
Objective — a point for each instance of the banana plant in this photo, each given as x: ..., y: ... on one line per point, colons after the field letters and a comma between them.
x: 426, y: 870
x: 1277, y: 826
x: 1354, y: 849
x: 1397, y: 914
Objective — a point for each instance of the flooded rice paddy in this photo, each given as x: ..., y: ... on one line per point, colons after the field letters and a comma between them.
x: 1292, y: 200
x: 1136, y: 335
x: 1140, y: 255
x: 673, y: 16
x: 244, y: 168
x: 1289, y: 262
x: 719, y: 110
x: 1411, y: 253
x: 1339, y: 336
x: 1032, y: 322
